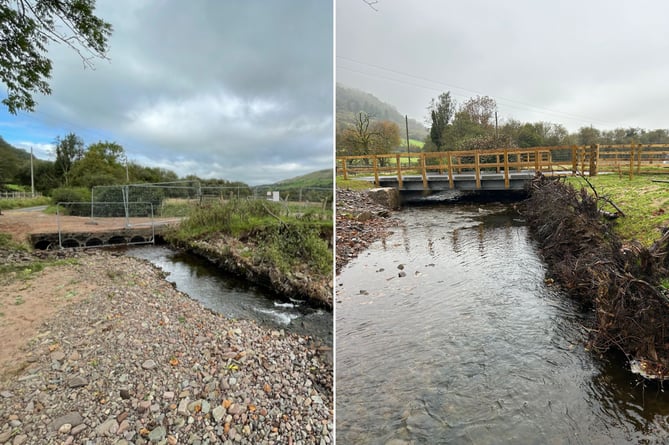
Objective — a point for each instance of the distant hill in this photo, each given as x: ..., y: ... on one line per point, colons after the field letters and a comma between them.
x: 314, y: 186
x: 11, y: 160
x: 351, y: 101
x: 320, y: 178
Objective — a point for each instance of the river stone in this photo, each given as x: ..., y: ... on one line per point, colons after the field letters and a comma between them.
x: 77, y: 382
x: 149, y: 364
x: 218, y: 413
x: 388, y: 197
x: 108, y: 428
x: 157, y: 434
x: 77, y: 429
x: 20, y: 439
x: 183, y: 407
x: 72, y: 418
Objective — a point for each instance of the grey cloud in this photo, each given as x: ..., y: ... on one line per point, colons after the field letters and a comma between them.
x: 540, y: 60
x: 194, y: 80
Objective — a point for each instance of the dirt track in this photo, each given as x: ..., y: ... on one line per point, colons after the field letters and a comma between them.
x: 20, y: 223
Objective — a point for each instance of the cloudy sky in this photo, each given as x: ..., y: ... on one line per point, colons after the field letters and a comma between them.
x: 238, y: 90
x: 573, y: 62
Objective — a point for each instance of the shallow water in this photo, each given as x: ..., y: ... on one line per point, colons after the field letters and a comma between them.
x: 235, y: 298
x: 472, y: 346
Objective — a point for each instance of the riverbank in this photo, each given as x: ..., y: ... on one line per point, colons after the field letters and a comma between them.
x: 360, y: 221
x: 99, y: 346
x: 232, y: 255
x: 288, y: 251
x: 623, y: 281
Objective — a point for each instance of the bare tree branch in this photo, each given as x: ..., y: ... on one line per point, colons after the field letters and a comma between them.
x: 371, y: 4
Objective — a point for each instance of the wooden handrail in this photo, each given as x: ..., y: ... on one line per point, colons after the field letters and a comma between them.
x: 570, y: 159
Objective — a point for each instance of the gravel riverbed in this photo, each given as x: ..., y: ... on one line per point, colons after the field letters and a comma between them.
x: 134, y: 361
x: 360, y: 222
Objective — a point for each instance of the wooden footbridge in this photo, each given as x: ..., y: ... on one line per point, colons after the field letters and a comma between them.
x: 499, y: 169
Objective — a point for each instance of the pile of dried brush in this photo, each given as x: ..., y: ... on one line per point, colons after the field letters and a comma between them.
x: 620, y: 282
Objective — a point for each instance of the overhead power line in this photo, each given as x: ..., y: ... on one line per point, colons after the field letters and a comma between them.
x: 439, y: 86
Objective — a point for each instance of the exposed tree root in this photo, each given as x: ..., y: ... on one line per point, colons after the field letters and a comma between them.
x: 620, y: 282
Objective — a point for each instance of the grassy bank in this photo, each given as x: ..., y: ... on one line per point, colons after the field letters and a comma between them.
x: 644, y: 202
x: 9, y: 204
x: 289, y: 239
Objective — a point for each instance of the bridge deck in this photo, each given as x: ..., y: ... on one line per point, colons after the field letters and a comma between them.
x: 460, y: 181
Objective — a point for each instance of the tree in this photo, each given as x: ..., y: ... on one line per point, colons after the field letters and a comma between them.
x: 386, y: 137
x: 27, y: 27
x: 588, y: 135
x: 530, y: 136
x: 357, y: 139
x: 68, y: 151
x: 441, y: 113
x: 100, y: 166
x: 480, y: 110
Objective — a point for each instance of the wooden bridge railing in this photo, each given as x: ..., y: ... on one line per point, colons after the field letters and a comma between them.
x: 557, y: 160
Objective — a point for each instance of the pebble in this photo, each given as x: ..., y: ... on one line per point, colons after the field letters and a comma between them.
x: 157, y: 434
x: 218, y: 413
x: 77, y: 382
x: 123, y: 389
x: 72, y: 418
x: 20, y: 439
x: 108, y: 428
x: 149, y: 364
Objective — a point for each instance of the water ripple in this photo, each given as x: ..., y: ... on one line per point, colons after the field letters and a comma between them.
x: 471, y: 346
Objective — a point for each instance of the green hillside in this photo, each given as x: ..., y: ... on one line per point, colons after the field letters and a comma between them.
x: 351, y: 101
x: 315, y: 187
x: 11, y: 161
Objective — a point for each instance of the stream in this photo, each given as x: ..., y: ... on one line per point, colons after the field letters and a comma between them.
x: 447, y: 332
x: 236, y: 298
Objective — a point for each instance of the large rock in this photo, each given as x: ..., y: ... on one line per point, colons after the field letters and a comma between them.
x: 386, y: 196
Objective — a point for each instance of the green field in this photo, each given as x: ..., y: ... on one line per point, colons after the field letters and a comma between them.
x: 644, y: 202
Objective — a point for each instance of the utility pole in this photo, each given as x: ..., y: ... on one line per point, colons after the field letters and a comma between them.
x: 406, y: 121
x: 496, y: 129
x: 32, y: 174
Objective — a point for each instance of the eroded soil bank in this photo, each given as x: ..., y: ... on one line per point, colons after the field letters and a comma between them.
x: 622, y: 281
x: 231, y: 255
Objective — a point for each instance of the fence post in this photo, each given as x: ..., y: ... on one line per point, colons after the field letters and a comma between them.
x: 506, y: 168
x: 376, y: 171
x: 594, y: 157
x: 423, y: 170
x: 451, y: 184
x: 477, y: 169
x: 399, y: 170
x: 638, y: 158
x: 343, y: 167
